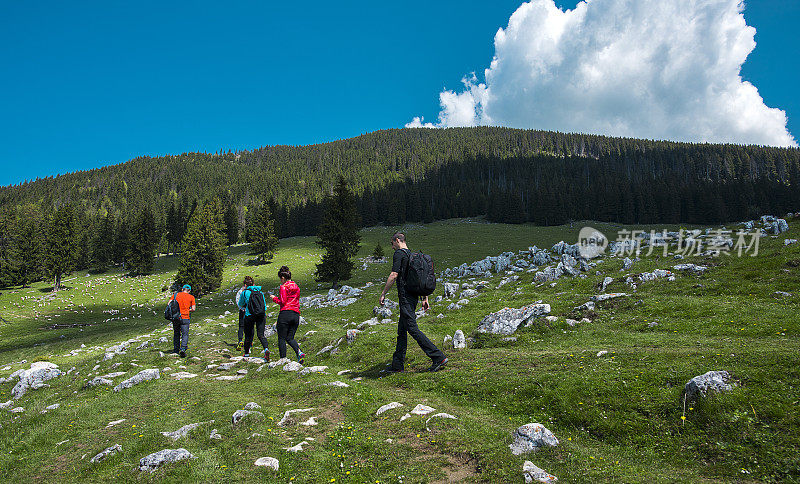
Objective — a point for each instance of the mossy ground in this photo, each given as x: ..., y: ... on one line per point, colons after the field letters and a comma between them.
x: 618, y: 417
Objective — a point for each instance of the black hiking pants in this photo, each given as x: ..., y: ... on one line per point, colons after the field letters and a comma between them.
x: 240, y: 333
x: 408, y: 324
x: 255, y: 323
x: 288, y: 322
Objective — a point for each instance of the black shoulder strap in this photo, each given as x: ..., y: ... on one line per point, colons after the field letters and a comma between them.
x: 407, y: 262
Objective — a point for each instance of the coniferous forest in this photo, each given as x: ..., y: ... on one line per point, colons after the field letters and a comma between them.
x: 397, y: 176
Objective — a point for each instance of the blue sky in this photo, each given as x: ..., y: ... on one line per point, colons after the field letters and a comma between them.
x: 89, y: 84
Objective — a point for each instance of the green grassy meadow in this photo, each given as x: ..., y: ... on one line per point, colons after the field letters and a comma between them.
x: 618, y: 417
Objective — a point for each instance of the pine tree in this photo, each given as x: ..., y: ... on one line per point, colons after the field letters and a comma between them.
x: 121, y: 242
x: 8, y: 270
x: 232, y: 224
x: 62, y: 245
x: 377, y: 254
x: 28, y: 245
x: 203, y: 252
x: 338, y: 235
x: 262, y: 234
x: 142, y: 245
x: 102, y: 246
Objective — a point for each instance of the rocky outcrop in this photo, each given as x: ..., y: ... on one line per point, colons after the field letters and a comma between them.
x: 507, y: 320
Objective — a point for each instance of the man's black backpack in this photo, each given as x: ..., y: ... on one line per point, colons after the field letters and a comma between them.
x: 256, y: 305
x: 173, y: 310
x: 420, y: 280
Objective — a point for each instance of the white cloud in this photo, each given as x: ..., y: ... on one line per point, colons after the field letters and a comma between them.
x: 639, y: 68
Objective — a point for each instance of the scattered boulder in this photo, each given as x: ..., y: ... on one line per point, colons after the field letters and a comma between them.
x: 507, y: 320
x: 252, y: 406
x: 382, y: 312
x: 450, y: 290
x: 240, y: 415
x: 181, y: 432
x: 606, y: 282
x: 690, y: 267
x: 287, y: 416
x: 388, y: 406
x: 106, y: 454
x: 155, y: 460
x: 531, y: 437
x: 144, y: 375
x: 99, y: 380
x: 469, y: 293
x: 337, y: 383
x: 789, y: 241
x: 312, y: 421
x: 533, y: 473
x: 34, y: 378
x: 606, y: 297
x: 313, y: 369
x: 183, y: 375
x: 439, y: 415
x: 421, y: 409
x: 214, y: 435
x: 712, y: 381
x: 626, y: 263
x: 296, y: 448
x: 51, y: 407
x: 292, y: 366
x: 268, y: 462
x: 459, y: 341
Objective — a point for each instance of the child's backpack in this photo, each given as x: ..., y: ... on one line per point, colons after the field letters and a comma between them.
x: 420, y: 280
x: 256, y: 305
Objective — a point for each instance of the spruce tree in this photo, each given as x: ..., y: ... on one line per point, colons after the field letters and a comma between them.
x: 377, y: 254
x: 174, y: 227
x: 231, y: 224
x: 338, y: 235
x: 61, y: 245
x: 8, y: 270
x: 102, y: 246
x: 28, y: 244
x: 142, y: 245
x: 203, y: 252
x: 262, y: 234
x: 121, y: 242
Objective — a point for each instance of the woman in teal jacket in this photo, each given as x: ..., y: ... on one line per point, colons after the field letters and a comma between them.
x: 257, y: 322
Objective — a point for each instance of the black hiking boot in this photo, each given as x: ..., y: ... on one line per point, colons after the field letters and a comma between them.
x: 436, y: 366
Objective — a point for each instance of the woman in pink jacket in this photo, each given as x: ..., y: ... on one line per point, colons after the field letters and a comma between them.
x: 289, y: 317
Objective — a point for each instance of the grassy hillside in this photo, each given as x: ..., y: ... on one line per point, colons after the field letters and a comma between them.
x: 618, y: 417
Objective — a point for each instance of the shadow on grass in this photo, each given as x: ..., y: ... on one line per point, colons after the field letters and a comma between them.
x: 256, y: 262
x: 375, y: 372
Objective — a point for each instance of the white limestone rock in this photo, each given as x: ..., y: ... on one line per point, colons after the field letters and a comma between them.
x: 709, y: 382
x: 313, y: 369
x: 533, y: 473
x: 287, y: 416
x: 155, y: 460
x: 183, y: 431
x: 507, y: 320
x: 240, y: 415
x: 531, y: 437
x: 34, y: 378
x: 459, y: 340
x: 142, y: 376
x: 388, y: 406
x: 106, y: 454
x: 268, y: 462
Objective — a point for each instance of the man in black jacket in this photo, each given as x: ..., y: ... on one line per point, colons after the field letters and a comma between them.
x: 408, y: 316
